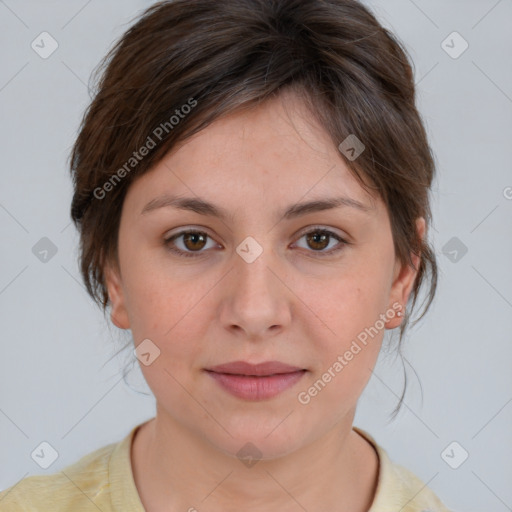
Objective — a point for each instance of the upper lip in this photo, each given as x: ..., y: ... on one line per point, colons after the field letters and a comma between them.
x: 245, y: 368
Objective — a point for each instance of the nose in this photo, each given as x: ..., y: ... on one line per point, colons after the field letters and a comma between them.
x: 256, y: 300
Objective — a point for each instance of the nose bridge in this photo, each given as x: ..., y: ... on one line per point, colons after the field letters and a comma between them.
x: 253, y: 275
x: 256, y: 299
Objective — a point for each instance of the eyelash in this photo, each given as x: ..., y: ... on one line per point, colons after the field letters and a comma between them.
x: 197, y: 254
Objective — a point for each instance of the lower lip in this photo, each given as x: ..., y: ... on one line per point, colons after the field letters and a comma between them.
x: 257, y: 388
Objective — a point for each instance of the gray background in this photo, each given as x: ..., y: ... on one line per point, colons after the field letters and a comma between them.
x: 58, y: 382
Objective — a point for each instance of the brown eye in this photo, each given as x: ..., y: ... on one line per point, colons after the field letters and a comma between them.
x: 317, y: 240
x: 194, y: 241
x: 190, y: 242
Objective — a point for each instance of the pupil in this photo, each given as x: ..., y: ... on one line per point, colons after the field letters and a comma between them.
x: 193, y: 237
x: 323, y: 237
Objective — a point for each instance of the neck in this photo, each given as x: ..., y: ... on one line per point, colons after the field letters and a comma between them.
x: 174, y: 469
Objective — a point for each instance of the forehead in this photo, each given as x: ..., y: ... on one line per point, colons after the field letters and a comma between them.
x: 256, y: 158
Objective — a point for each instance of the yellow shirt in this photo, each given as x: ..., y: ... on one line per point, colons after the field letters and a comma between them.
x: 103, y: 481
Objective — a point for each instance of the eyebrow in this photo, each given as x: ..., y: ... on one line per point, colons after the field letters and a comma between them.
x: 204, y: 207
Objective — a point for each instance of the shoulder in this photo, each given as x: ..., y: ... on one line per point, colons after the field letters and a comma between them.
x: 79, y: 486
x: 409, y: 491
x: 398, y: 488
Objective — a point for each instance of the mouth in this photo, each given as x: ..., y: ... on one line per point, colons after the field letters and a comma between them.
x: 255, y: 382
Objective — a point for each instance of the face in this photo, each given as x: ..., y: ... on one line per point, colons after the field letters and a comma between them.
x: 313, y: 288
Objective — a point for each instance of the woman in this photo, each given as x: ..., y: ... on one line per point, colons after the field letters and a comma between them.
x: 251, y: 188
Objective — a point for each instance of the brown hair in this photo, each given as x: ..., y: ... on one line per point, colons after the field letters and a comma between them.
x: 217, y: 56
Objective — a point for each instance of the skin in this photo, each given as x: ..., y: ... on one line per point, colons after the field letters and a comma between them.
x: 290, y: 304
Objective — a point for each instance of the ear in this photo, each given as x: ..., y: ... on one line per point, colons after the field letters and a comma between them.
x: 118, y: 313
x: 403, y: 280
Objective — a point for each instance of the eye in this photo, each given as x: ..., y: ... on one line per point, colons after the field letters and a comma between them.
x: 319, y: 238
x: 193, y: 242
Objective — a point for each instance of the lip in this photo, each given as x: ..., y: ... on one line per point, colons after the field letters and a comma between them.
x: 261, y: 369
x: 256, y: 381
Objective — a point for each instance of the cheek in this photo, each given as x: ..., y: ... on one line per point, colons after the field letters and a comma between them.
x: 347, y: 351
x: 175, y: 314
x: 158, y: 301
x: 349, y: 326
x: 170, y: 317
x: 353, y: 301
